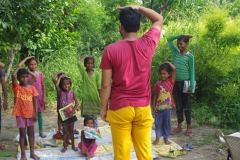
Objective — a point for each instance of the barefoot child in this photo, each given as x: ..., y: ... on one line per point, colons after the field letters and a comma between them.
x: 163, y: 101
x: 39, y: 85
x: 91, y: 87
x: 54, y: 79
x: 184, y: 62
x: 67, y: 96
x: 25, y: 108
x: 87, y: 146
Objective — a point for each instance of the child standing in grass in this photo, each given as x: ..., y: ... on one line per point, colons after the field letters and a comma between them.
x: 163, y: 101
x: 184, y: 62
x: 91, y: 87
x: 39, y: 85
x: 67, y: 96
x: 25, y: 108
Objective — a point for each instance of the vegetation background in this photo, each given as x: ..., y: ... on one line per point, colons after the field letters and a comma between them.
x: 59, y: 32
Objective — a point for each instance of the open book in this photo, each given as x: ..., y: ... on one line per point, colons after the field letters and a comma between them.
x: 92, y: 133
x: 65, y: 112
x: 186, y: 86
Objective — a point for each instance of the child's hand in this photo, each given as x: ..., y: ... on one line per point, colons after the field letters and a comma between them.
x: 23, y: 61
x: 189, y: 91
x: 155, y: 110
x: 83, y: 152
x: 5, y: 104
x: 35, y: 118
x: 44, y: 101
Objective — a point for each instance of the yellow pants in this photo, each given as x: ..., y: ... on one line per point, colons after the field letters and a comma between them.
x: 131, y: 125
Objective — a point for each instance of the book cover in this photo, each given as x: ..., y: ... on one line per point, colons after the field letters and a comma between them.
x: 65, y: 112
x: 186, y: 86
x: 92, y: 133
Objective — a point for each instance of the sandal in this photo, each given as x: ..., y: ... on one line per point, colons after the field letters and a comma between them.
x: 189, y: 133
x: 176, y: 131
x: 188, y: 146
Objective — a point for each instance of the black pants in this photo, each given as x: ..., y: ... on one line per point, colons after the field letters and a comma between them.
x: 183, y: 102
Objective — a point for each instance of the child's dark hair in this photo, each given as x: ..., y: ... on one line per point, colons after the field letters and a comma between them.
x: 87, y: 118
x: 130, y: 19
x: 184, y: 38
x: 31, y: 59
x: 166, y: 67
x: 63, y: 79
x: 87, y: 59
x: 22, y: 71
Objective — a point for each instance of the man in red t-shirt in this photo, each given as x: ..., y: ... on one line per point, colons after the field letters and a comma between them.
x: 126, y: 74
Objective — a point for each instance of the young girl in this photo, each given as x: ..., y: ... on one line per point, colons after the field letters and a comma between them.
x: 39, y: 85
x: 87, y: 146
x: 163, y: 101
x: 184, y: 62
x: 25, y: 108
x: 91, y: 87
x: 54, y: 79
x: 67, y: 96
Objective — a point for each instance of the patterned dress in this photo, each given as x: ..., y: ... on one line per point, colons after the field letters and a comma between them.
x: 38, y: 86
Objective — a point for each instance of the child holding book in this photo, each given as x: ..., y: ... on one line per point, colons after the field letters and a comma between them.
x: 55, y: 79
x: 163, y: 101
x: 87, y: 146
x: 91, y: 87
x: 67, y: 96
x: 25, y: 108
x: 184, y: 62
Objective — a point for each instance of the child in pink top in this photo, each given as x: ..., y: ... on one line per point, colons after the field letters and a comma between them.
x: 163, y: 101
x: 39, y: 85
x: 25, y: 108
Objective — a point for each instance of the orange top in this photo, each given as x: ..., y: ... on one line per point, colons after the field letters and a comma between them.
x: 23, y: 106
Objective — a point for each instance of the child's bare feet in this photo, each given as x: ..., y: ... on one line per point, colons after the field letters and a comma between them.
x: 88, y: 157
x: 63, y: 150
x: 74, y: 148
x: 167, y: 142
x: 156, y: 142
x: 42, y: 135
x: 35, y: 157
x: 23, y: 157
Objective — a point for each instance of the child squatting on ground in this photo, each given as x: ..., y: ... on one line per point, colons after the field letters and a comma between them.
x: 87, y: 146
x: 25, y: 108
x: 163, y: 101
x: 67, y: 96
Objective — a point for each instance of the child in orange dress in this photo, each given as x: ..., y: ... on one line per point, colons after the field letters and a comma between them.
x: 25, y: 108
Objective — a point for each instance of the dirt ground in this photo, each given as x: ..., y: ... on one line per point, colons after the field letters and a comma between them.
x: 204, y: 140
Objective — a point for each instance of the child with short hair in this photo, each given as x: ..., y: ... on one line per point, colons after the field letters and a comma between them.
x: 67, y: 96
x: 163, y: 101
x: 87, y: 146
x: 184, y: 62
x: 25, y: 108
x: 91, y: 88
